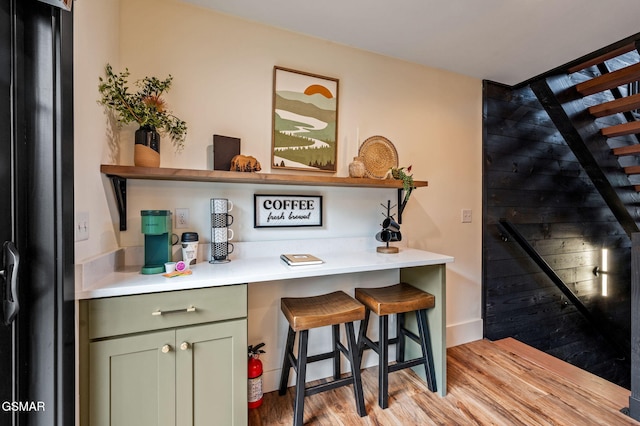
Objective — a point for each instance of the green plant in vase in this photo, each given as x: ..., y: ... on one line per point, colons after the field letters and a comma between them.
x: 147, y: 108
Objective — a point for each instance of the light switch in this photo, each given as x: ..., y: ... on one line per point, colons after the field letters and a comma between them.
x: 81, y: 226
x: 467, y: 216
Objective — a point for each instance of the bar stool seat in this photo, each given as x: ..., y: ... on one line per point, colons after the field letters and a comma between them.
x: 305, y: 313
x: 397, y: 299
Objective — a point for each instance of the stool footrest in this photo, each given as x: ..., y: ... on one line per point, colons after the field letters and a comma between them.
x: 319, y: 357
x: 334, y: 384
x: 399, y: 365
x: 315, y: 358
x: 370, y: 344
x: 405, y: 364
x: 409, y: 334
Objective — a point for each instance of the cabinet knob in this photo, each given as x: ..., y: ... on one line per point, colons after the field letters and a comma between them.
x: 184, y: 346
x: 166, y: 349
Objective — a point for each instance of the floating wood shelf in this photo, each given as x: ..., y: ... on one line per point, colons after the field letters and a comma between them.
x: 156, y: 173
x: 120, y: 174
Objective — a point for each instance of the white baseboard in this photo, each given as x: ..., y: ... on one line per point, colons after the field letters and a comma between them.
x: 470, y: 331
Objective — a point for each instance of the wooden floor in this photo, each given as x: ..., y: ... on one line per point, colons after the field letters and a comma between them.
x: 490, y: 383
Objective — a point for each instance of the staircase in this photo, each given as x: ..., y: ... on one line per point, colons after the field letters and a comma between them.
x: 595, y: 104
x: 622, y: 84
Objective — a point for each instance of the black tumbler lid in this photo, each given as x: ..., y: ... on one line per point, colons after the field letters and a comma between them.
x: 189, y: 237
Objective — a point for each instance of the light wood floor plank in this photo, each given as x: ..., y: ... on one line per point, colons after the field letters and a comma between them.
x: 617, y: 395
x: 502, y: 383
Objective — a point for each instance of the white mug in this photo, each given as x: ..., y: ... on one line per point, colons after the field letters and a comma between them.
x: 222, y: 234
x: 221, y: 205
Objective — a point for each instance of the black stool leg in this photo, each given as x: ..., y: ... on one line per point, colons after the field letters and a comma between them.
x: 427, y: 351
x: 286, y: 362
x: 400, y: 344
x: 298, y: 405
x: 354, y: 359
x: 383, y: 363
x: 362, y: 332
x: 335, y: 337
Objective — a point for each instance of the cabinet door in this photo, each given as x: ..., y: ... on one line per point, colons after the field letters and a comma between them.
x: 211, y: 369
x: 132, y: 381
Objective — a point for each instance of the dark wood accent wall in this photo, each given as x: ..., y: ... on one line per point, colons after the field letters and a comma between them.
x: 532, y: 178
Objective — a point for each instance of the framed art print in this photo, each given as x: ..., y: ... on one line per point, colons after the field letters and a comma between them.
x: 304, y: 121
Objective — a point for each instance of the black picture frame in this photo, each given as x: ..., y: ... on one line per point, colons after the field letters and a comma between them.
x: 287, y: 211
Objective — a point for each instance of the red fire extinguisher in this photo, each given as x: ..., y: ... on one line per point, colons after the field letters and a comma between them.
x: 255, y: 376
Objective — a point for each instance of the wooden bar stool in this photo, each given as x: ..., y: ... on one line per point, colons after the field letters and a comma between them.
x: 396, y: 299
x: 304, y: 313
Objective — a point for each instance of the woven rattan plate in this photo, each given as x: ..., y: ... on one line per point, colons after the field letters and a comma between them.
x: 378, y: 155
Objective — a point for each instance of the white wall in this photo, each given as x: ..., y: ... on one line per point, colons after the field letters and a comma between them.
x: 223, y: 70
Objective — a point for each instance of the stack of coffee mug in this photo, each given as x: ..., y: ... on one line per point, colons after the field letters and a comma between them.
x: 220, y: 231
x: 390, y: 231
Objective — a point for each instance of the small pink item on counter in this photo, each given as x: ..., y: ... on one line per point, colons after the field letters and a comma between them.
x: 180, y: 266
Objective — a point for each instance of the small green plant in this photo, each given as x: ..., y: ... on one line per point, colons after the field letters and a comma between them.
x: 145, y: 106
x: 407, y: 180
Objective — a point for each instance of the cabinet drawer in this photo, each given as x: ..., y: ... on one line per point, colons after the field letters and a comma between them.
x: 131, y: 314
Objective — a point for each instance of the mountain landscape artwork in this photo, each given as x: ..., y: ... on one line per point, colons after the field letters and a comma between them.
x: 305, y: 121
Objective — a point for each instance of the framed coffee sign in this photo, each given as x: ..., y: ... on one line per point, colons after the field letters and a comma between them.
x: 287, y: 210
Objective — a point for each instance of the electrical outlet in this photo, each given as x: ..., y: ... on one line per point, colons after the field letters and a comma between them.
x: 466, y: 216
x: 81, y: 228
x: 182, y: 218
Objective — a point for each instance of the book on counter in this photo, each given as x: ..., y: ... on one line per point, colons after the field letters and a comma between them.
x: 301, y: 259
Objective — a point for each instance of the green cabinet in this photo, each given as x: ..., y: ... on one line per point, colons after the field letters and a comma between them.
x: 211, y: 374
x: 175, y: 358
x: 132, y: 381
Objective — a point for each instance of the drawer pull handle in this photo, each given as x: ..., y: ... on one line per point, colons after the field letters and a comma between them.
x: 175, y: 311
x: 166, y: 349
x: 185, y: 346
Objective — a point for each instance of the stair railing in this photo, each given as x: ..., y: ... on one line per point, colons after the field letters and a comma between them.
x: 562, y: 286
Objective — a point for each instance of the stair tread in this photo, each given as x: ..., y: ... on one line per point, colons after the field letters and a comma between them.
x: 627, y: 103
x: 581, y: 378
x: 600, y: 59
x: 621, y: 129
x: 627, y: 150
x: 632, y: 170
x: 609, y: 80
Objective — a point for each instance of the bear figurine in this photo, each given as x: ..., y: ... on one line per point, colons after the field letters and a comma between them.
x: 244, y: 163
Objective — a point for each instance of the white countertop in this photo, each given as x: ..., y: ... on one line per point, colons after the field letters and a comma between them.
x: 259, y: 262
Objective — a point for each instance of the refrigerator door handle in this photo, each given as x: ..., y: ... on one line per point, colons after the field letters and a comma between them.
x: 9, y: 280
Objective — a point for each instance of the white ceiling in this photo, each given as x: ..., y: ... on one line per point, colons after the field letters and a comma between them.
x: 508, y: 41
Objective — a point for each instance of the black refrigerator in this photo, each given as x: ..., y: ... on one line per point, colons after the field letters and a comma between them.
x: 37, y: 362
